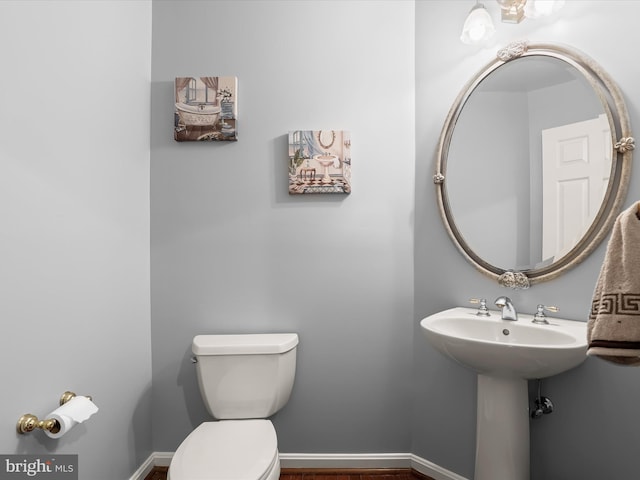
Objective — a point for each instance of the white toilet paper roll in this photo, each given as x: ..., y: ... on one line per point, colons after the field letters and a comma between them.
x: 75, y: 411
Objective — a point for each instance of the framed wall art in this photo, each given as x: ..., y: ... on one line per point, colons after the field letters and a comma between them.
x: 319, y: 161
x: 206, y: 109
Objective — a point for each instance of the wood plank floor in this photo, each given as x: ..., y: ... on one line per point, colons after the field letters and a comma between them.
x: 157, y: 473
x: 160, y: 473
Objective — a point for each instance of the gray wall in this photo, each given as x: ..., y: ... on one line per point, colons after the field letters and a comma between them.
x: 592, y: 434
x: 232, y: 251
x: 74, y: 204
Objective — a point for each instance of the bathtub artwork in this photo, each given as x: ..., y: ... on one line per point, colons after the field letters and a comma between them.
x: 319, y: 161
x: 205, y: 109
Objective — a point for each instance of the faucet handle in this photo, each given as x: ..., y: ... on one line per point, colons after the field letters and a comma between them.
x: 540, y: 317
x: 483, y: 311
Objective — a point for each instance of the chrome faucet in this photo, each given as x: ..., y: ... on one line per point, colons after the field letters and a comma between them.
x: 508, y: 310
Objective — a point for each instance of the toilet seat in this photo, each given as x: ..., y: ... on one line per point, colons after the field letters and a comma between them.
x: 228, y: 450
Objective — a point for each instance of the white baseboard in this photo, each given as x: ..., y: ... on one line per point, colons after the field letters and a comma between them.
x: 344, y: 460
x: 156, y: 459
x: 432, y: 470
x: 329, y: 460
x: 367, y: 460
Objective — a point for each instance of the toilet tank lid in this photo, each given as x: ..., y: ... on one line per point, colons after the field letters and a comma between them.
x: 244, y: 344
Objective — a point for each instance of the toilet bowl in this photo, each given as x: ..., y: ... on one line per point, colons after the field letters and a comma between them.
x: 243, y: 379
x: 229, y: 449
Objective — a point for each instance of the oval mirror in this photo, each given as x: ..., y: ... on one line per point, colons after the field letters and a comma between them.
x: 326, y: 138
x: 533, y: 163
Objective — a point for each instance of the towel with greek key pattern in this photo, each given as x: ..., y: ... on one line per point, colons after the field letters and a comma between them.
x: 613, y: 329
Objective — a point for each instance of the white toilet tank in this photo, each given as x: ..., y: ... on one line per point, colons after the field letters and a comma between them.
x: 245, y: 376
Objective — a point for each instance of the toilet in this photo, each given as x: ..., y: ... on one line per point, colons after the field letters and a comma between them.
x: 243, y: 379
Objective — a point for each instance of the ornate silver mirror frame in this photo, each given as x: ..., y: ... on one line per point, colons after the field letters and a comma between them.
x: 615, y: 109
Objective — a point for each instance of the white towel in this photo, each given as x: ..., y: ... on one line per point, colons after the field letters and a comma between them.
x: 613, y: 330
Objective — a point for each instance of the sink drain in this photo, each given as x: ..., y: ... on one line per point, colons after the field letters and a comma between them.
x: 506, y: 331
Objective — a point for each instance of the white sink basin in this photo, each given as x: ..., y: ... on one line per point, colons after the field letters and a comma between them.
x: 505, y: 355
x: 496, y: 347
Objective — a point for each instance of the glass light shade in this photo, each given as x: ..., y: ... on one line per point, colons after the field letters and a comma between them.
x: 478, y: 26
x: 542, y: 8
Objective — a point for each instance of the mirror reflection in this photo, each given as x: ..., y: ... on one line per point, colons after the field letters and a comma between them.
x: 533, y: 145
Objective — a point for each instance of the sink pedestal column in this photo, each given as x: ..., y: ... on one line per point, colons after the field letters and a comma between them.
x: 502, y: 434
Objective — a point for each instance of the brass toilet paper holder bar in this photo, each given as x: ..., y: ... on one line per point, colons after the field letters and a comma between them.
x: 29, y: 422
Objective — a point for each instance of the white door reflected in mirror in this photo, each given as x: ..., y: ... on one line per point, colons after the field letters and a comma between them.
x: 576, y: 166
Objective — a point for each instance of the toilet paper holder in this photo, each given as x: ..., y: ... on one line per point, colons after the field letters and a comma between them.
x: 29, y: 422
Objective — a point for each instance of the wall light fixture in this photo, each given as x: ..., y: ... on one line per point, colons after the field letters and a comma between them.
x: 479, y: 27
x: 542, y: 8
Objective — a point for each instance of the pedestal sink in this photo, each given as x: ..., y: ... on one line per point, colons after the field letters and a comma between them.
x: 505, y: 354
x: 326, y: 160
